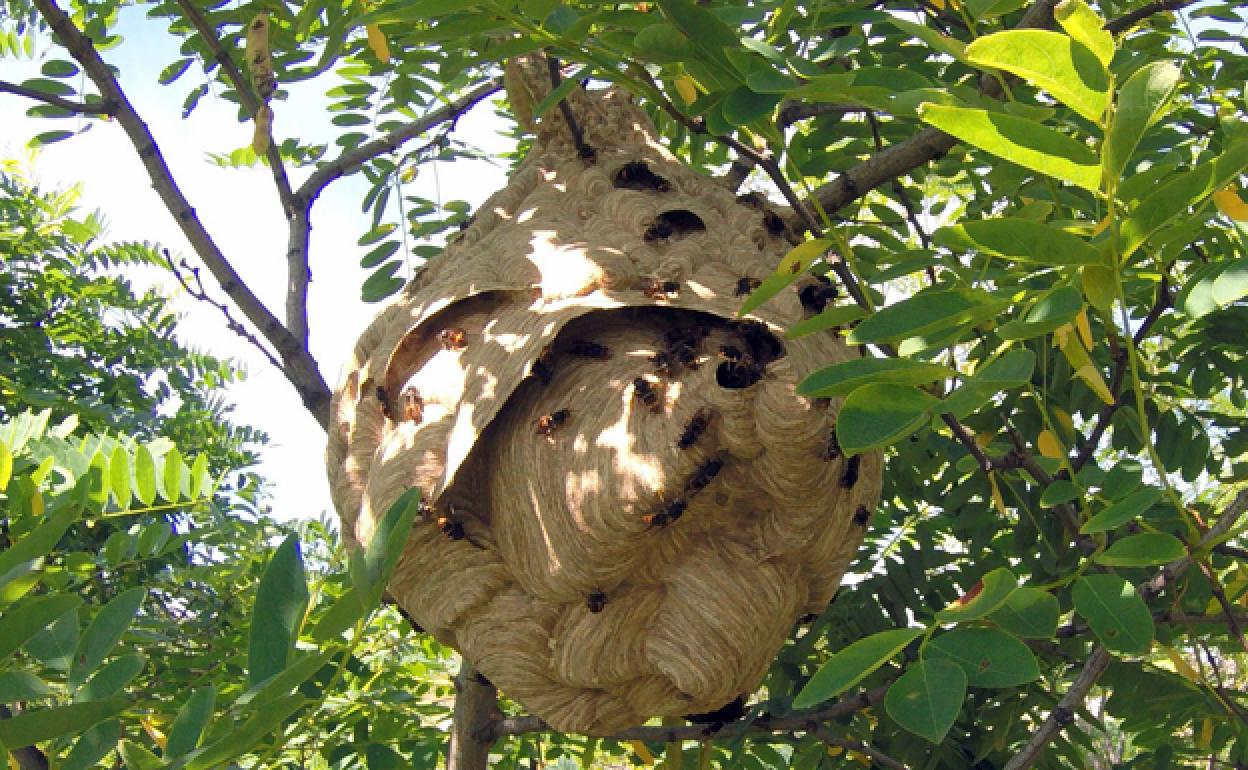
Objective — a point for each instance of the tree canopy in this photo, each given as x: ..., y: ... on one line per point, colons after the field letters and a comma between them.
x: 1033, y: 215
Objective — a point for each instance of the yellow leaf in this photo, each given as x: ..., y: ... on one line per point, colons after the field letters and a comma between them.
x: 998, y: 502
x: 1085, y: 329
x: 982, y: 440
x: 685, y: 86
x: 1100, y: 226
x: 13, y: 763
x: 409, y: 173
x: 1099, y: 287
x: 154, y: 732
x: 1091, y: 377
x: 938, y: 4
x: 1181, y: 666
x: 1230, y: 204
x: 835, y: 751
x: 377, y: 42
x: 260, y: 137
x: 1071, y: 347
x: 1206, y: 733
x: 1064, y: 423
x: 36, y: 504
x: 803, y: 255
x: 641, y: 750
x: 1049, y: 446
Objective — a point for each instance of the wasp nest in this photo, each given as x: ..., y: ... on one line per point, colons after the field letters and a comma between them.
x: 628, y: 503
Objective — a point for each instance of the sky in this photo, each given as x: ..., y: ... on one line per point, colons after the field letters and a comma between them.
x: 240, y: 208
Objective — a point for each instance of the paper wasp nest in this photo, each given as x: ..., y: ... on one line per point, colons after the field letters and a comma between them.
x: 629, y: 505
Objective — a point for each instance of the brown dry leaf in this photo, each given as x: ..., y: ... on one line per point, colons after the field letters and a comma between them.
x: 1230, y: 204
x: 377, y: 42
x: 1049, y: 446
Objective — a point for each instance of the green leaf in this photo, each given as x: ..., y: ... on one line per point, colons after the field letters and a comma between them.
x: 851, y: 665
x: 1052, y: 311
x: 1118, y: 616
x: 1173, y: 198
x: 21, y: 686
x: 54, y: 645
x: 31, y: 727
x: 743, y: 106
x: 136, y: 757
x: 18, y: 558
x: 704, y: 30
x: 119, y: 475
x: 935, y: 40
x: 386, y: 546
x: 1030, y: 144
x: 1009, y: 371
x: 174, y: 471
x: 1141, y: 102
x: 1122, y: 511
x: 1029, y: 612
x: 1231, y: 283
x: 1020, y: 240
x: 340, y: 616
x: 1060, y: 491
x: 381, y: 283
x: 281, y: 683
x: 1050, y: 60
x: 189, y: 725
x: 50, y: 137
x: 925, y: 312
x: 798, y: 260
x: 1082, y: 24
x: 927, y: 698
x: 92, y: 745
x: 840, y: 379
x: 380, y: 253
x: 833, y: 316
x: 995, y: 588
x: 243, y: 738
x: 566, y: 86
x: 111, y: 677
x: 1142, y: 550
x: 144, y: 475
x: 662, y: 43
x: 281, y: 600
x: 199, y: 477
x: 875, y: 416
x: 990, y: 658
x: 104, y: 632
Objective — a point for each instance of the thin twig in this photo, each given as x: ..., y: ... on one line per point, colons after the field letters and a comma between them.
x: 574, y: 128
x: 200, y: 293
x: 883, y: 760
x: 1215, y: 586
x: 792, y: 111
x: 298, y: 365
x: 1128, y: 20
x: 80, y: 108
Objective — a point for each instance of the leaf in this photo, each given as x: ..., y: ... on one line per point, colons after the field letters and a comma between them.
x: 990, y: 658
x: 1229, y: 203
x: 136, y: 757
x: 1174, y: 197
x: 1231, y: 283
x: 1060, y: 491
x: 798, y: 260
x: 1142, y: 550
x: 840, y: 379
x: 190, y: 722
x: 1029, y: 612
x: 743, y: 106
x: 927, y: 698
x: 119, y: 475
x: 1100, y: 287
x: 281, y: 601
x: 997, y: 586
x: 380, y: 757
x: 144, y: 475
x: 17, y: 559
x: 54, y: 645
x: 111, y: 677
x: 92, y: 745
x: 104, y: 631
x: 174, y: 471
x: 1009, y: 371
x: 1052, y: 311
x: 31, y: 727
x: 21, y: 686
x: 199, y: 477
x: 662, y: 43
x: 386, y: 546
x: 925, y: 312
x: 1118, y: 616
x: 6, y: 465
x: 1049, y: 446
x: 1019, y: 140
x: 1141, y: 102
x: 340, y: 616
x: 381, y: 283
x: 851, y: 665
x: 1122, y: 511
x: 244, y: 737
x: 1050, y: 60
x: 1085, y: 26
x: 1020, y: 240
x: 875, y: 416
x: 833, y: 316
x: 935, y: 40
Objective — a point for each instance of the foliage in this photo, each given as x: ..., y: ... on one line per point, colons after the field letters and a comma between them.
x: 1049, y: 286
x: 79, y: 340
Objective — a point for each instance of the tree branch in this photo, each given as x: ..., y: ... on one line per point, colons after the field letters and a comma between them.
x: 1128, y: 20
x: 298, y: 269
x: 81, y: 108
x: 1063, y: 713
x: 472, y: 725
x: 881, y: 759
x: 298, y: 365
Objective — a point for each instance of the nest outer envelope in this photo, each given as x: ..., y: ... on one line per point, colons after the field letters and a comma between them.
x: 695, y: 610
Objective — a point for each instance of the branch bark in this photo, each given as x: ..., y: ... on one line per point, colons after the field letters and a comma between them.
x: 473, y: 724
x: 81, y: 108
x: 297, y: 363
